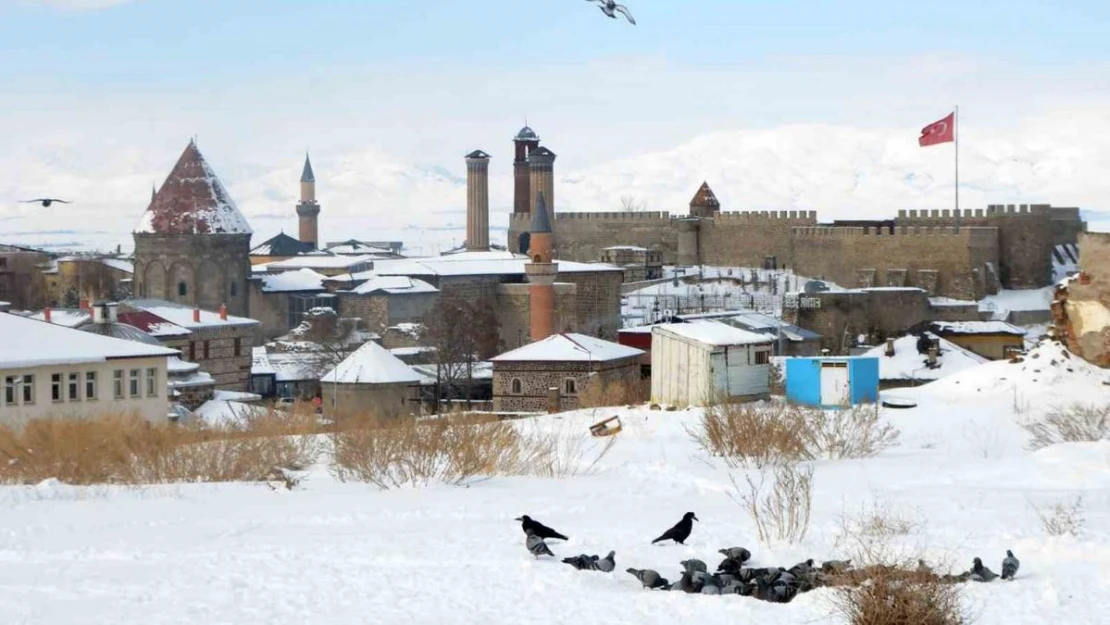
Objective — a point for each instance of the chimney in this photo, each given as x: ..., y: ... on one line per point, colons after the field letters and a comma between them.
x: 890, y: 346
x: 196, y: 315
x: 100, y: 312
x: 113, y: 312
x: 46, y: 314
x: 223, y: 312
x: 84, y: 305
x: 931, y: 359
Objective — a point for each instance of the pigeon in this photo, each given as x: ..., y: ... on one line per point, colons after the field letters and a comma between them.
x: 980, y: 573
x: 606, y: 564
x: 694, y: 566
x: 582, y: 562
x: 681, y: 530
x: 537, y: 547
x: 611, y: 8
x: 649, y: 578
x: 539, y: 529
x: 802, y: 568
x: 45, y: 201
x: 710, y: 586
x: 736, y: 553
x: 729, y: 565
x: 686, y: 583
x: 836, y: 566
x: 1010, y: 565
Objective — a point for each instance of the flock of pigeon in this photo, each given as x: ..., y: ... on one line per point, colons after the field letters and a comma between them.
x: 733, y: 576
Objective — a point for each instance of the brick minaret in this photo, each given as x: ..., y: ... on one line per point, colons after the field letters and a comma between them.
x: 704, y: 202
x: 477, y: 201
x: 541, y: 164
x: 523, y: 143
x: 308, y: 209
x: 541, y: 270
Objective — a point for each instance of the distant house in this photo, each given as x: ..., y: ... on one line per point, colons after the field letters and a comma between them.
x: 385, y: 301
x: 789, y: 339
x: 695, y: 363
x: 832, y: 382
x: 281, y: 300
x: 638, y: 263
x: 50, y: 371
x: 994, y: 340
x: 288, y: 375
x: 279, y: 247
x: 370, y: 381
x: 523, y: 378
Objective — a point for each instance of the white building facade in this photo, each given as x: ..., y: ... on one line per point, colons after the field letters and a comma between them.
x: 696, y: 363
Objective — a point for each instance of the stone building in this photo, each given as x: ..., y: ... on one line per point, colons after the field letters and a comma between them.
x: 22, y: 283
x: 370, y: 382
x: 88, y: 277
x: 994, y: 340
x: 279, y: 301
x: 192, y: 244
x: 638, y: 263
x: 557, y: 370
x: 382, y: 302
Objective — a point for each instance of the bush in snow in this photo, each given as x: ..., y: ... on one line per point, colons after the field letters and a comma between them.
x: 1062, y: 518
x: 600, y: 394
x: 1077, y: 423
x: 853, y: 432
x: 891, y: 597
x: 783, y: 511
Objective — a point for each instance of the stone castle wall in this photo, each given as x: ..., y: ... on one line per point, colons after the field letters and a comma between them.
x: 744, y: 239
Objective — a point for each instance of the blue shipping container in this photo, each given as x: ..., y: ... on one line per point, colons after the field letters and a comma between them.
x: 831, y: 382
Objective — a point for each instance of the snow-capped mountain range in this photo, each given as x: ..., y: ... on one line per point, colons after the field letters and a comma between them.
x: 842, y: 172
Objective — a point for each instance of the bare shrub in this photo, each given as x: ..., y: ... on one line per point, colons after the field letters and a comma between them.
x: 751, y: 435
x: 875, y: 536
x: 562, y: 452
x: 601, y: 394
x: 851, y: 432
x: 1062, y: 518
x: 783, y: 513
x: 893, y: 597
x: 1077, y: 423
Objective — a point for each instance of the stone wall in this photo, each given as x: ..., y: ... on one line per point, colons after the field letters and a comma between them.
x: 877, y: 313
x: 744, y: 239
x: 224, y: 352
x: 271, y: 310
x: 537, y: 377
x: 373, y: 310
x: 196, y: 270
x: 582, y: 236
x: 1067, y: 225
x: 1081, y: 311
x: 514, y: 311
x: 380, y: 400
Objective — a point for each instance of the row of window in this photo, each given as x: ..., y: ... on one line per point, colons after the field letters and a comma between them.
x: 78, y: 386
x: 570, y: 386
x: 199, y: 349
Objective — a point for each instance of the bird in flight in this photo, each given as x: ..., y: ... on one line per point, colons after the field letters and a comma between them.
x: 611, y: 8
x: 45, y: 201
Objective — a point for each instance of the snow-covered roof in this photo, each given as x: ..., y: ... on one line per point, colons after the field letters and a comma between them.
x: 411, y: 351
x: 281, y: 244
x: 296, y: 280
x: 371, y: 364
x: 31, y: 343
x: 66, y: 317
x: 285, y: 366
x: 192, y: 200
x: 319, y: 261
x: 482, y: 370
x: 977, y: 327
x: 152, y: 324
x: 119, y: 264
x: 629, y: 248
x: 469, y: 264
x: 569, y: 347
x: 182, y: 316
x: 757, y: 322
x: 713, y: 333
x: 908, y: 364
x: 393, y: 285
x: 358, y: 247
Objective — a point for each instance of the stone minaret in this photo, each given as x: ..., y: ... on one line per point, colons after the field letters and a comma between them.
x: 704, y: 203
x: 308, y: 209
x: 541, y: 270
x: 541, y: 163
x: 477, y: 201
x: 523, y: 143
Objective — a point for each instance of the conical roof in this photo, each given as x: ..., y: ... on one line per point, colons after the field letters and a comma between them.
x: 540, y: 220
x: 306, y: 174
x: 192, y: 200
x: 704, y: 196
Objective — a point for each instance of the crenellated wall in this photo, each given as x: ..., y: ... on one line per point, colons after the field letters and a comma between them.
x: 746, y: 238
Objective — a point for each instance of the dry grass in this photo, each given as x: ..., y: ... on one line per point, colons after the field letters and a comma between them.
x: 602, y: 394
x: 876, y: 535
x: 1077, y: 423
x: 897, y: 597
x: 1062, y: 519
x: 773, y: 433
x: 453, y: 449
x: 125, y: 449
x: 782, y: 513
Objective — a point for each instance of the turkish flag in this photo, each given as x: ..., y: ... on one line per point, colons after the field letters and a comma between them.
x: 943, y: 131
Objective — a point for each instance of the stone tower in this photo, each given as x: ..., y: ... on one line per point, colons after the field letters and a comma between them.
x: 477, y: 201
x: 192, y: 244
x: 308, y: 209
x: 541, y: 270
x: 704, y: 203
x: 541, y: 163
x: 523, y: 143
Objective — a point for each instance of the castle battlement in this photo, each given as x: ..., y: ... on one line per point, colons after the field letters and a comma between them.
x: 526, y: 218
x: 992, y: 210
x: 971, y: 233
x: 776, y: 216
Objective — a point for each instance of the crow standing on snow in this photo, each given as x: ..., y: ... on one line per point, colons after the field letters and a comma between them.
x: 536, y: 546
x: 611, y: 8
x: 45, y: 201
x: 539, y: 529
x: 1010, y: 565
x: 681, y: 530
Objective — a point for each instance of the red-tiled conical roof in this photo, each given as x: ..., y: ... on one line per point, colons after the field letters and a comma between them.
x: 192, y: 201
x: 704, y: 196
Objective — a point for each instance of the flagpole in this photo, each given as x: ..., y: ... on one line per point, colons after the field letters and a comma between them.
x: 956, y: 140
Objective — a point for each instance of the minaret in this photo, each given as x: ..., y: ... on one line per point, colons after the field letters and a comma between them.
x: 477, y: 201
x: 541, y: 270
x: 308, y: 209
x: 541, y: 163
x: 523, y: 143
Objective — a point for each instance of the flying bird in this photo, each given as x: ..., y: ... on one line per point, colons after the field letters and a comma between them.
x: 45, y: 201
x: 681, y: 530
x: 528, y: 524
x: 611, y: 8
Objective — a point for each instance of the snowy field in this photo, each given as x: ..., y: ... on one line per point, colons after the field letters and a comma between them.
x: 330, y: 552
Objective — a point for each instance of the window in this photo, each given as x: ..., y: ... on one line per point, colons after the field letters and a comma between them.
x: 206, y: 356
x: 117, y: 383
x: 234, y: 288
x: 192, y: 351
x: 28, y: 389
x: 537, y: 259
x: 56, y: 387
x: 182, y: 288
x: 9, y: 390
x: 570, y: 387
x: 134, y: 382
x: 90, y: 385
x: 238, y: 347
x: 762, y: 358
x: 74, y: 386
x: 516, y: 387
x: 152, y: 382
x: 3, y: 262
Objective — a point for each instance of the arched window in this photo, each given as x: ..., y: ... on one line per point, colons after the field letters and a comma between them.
x: 234, y: 288
x: 536, y: 259
x: 182, y: 288
x: 516, y: 387
x: 570, y: 387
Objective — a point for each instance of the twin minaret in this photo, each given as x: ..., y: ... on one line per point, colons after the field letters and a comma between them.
x: 308, y: 210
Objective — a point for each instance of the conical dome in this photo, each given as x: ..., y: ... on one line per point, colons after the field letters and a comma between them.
x: 192, y: 200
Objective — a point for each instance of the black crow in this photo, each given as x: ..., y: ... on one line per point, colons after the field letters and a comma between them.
x: 681, y: 530
x: 539, y: 529
x: 45, y: 201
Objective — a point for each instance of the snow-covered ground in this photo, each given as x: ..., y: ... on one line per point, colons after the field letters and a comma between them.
x: 330, y: 552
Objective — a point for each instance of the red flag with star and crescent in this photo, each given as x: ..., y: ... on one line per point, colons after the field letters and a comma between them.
x: 943, y: 131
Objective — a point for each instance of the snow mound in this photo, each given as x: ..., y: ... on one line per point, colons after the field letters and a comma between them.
x: 1046, y: 368
x: 908, y: 364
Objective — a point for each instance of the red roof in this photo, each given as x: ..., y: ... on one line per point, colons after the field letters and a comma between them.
x: 704, y: 196
x: 192, y: 200
x: 151, y: 323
